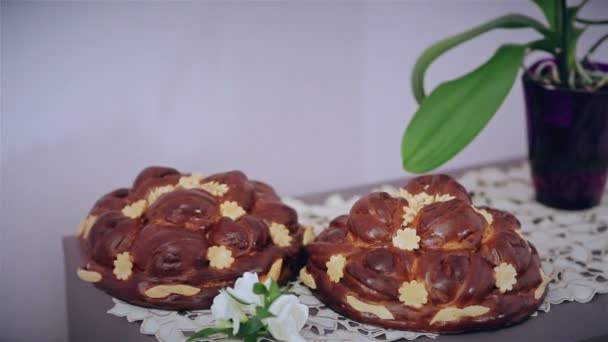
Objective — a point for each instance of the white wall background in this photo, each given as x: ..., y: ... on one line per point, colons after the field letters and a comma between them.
x: 306, y: 95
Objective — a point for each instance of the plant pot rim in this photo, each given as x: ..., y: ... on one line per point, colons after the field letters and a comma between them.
x: 526, y: 78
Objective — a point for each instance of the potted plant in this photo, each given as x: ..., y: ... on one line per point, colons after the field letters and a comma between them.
x: 566, y: 102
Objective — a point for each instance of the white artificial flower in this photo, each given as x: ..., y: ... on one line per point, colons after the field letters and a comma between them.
x: 243, y: 289
x: 290, y: 316
x: 235, y: 304
x: 226, y: 308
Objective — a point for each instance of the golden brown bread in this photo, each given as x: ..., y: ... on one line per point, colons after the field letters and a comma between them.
x: 173, y: 240
x: 426, y: 260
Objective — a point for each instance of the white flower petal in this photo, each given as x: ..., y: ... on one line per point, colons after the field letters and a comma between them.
x: 219, y: 308
x: 290, y: 317
x: 280, y: 329
x: 296, y: 338
x: 224, y: 307
x: 243, y: 289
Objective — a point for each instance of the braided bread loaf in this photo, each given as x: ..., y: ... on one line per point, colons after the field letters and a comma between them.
x: 173, y: 240
x: 426, y: 260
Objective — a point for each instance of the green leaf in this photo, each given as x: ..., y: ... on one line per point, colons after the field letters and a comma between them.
x: 457, y: 110
x: 549, y: 9
x: 208, y: 332
x: 251, y: 338
x: 260, y: 289
x: 511, y: 21
x: 591, y: 21
x: 544, y: 44
x: 250, y: 327
x: 262, y: 312
x: 274, y: 292
x: 594, y: 46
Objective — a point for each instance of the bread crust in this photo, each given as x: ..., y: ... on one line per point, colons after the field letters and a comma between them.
x: 173, y: 240
x: 427, y: 260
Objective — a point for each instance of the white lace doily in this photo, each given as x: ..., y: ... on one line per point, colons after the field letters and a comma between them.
x: 573, y: 247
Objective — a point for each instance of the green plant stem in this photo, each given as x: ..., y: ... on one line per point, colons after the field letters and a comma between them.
x: 434, y: 51
x: 562, y: 30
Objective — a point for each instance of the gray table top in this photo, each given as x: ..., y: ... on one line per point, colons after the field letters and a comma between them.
x: 88, y: 320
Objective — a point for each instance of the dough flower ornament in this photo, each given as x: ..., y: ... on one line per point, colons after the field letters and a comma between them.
x: 253, y: 309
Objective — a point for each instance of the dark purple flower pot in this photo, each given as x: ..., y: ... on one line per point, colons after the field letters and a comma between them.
x: 567, y: 144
